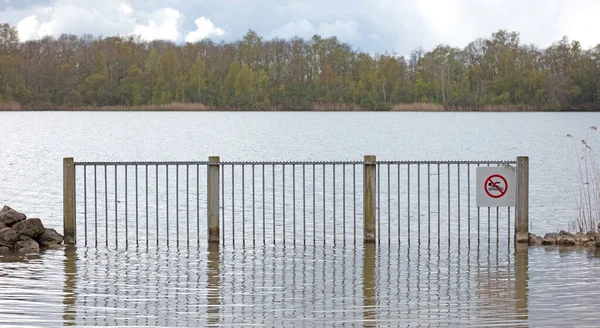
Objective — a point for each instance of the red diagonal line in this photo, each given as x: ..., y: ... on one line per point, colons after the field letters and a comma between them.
x: 495, y: 185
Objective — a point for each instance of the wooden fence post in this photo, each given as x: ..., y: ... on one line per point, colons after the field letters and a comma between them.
x: 69, y: 200
x: 522, y: 219
x: 213, y: 200
x: 369, y: 189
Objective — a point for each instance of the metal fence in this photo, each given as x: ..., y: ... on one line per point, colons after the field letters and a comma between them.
x: 297, y: 203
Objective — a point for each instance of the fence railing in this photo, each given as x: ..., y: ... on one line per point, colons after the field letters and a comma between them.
x: 299, y: 203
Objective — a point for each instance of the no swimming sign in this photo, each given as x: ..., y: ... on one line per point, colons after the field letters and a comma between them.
x: 496, y: 186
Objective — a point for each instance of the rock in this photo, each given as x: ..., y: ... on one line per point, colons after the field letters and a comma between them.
x: 582, y: 239
x: 50, y: 238
x: 9, y: 217
x: 8, y: 237
x: 590, y: 243
x: 591, y: 235
x: 27, y: 246
x: 31, y: 228
x: 2, y: 226
x: 565, y: 239
x: 549, y: 239
x: 4, y: 249
x: 534, y: 240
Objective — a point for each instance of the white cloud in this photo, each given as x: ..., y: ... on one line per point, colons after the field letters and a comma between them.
x: 206, y: 29
x: 301, y: 28
x: 125, y: 9
x: 163, y: 26
x: 347, y: 31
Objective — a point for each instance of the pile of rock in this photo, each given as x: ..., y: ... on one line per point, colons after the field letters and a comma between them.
x: 18, y: 233
x: 564, y: 238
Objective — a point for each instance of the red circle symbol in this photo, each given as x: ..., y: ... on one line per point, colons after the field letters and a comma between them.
x: 495, y: 186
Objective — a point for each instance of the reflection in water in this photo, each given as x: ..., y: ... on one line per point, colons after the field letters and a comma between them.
x: 420, y: 285
x: 70, y: 296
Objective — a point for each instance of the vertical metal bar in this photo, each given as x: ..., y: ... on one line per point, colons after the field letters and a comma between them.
x: 273, y: 173
x: 253, y: 208
x: 304, y: 203
x: 106, y: 203
x: 389, y: 205
x: 334, y: 236
x: 439, y: 208
x: 419, y: 201
x: 126, y: 223
x: 489, y: 220
x: 222, y: 204
x: 294, y: 200
x: 354, y: 192
x: 243, y: 205
x: 116, y: 214
x: 489, y: 224
x: 428, y: 202
x: 147, y: 218
x: 283, y: 197
x: 448, y: 204
x: 398, y: 185
x: 344, y: 203
x: 263, y: 205
x: 497, y: 224
x: 177, y: 204
x: 187, y: 202
x: 508, y: 230
x: 198, y: 202
x: 137, y: 218
x: 314, y: 204
x: 167, y: 205
x: 157, y: 228
x: 95, y: 207
x: 324, y: 239
x: 378, y: 204
x: 232, y: 205
x: 469, y: 202
x: 85, y: 204
x: 408, y: 199
x: 458, y: 201
x: 478, y: 223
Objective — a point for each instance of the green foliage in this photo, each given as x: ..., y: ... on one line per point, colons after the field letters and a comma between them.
x: 254, y: 73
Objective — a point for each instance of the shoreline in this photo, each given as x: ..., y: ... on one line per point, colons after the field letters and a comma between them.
x: 317, y: 107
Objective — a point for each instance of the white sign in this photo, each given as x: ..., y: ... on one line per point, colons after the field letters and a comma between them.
x: 496, y: 186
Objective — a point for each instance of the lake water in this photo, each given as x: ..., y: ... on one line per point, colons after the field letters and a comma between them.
x: 429, y: 284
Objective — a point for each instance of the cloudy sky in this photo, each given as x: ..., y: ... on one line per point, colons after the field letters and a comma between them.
x: 369, y: 25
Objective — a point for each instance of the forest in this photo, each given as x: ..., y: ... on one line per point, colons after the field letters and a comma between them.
x: 494, y: 73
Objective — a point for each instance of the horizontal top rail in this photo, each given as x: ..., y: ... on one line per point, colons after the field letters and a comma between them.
x: 143, y: 163
x: 499, y: 162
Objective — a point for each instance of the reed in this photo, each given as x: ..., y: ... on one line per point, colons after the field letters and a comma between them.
x: 588, y: 185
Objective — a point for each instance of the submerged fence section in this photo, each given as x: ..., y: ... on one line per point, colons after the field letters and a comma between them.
x: 294, y: 203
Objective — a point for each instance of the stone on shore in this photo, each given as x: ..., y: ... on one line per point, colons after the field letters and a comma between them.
x: 565, y: 239
x: 9, y: 217
x: 535, y: 240
x: 8, y: 237
x: 4, y: 249
x: 50, y: 238
x: 31, y: 228
x: 549, y: 239
x: 582, y: 239
x: 27, y: 246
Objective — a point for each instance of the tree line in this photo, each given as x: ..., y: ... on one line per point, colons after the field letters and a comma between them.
x: 295, y: 74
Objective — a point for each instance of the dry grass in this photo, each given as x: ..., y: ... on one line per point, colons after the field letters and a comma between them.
x: 418, y: 107
x: 10, y: 106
